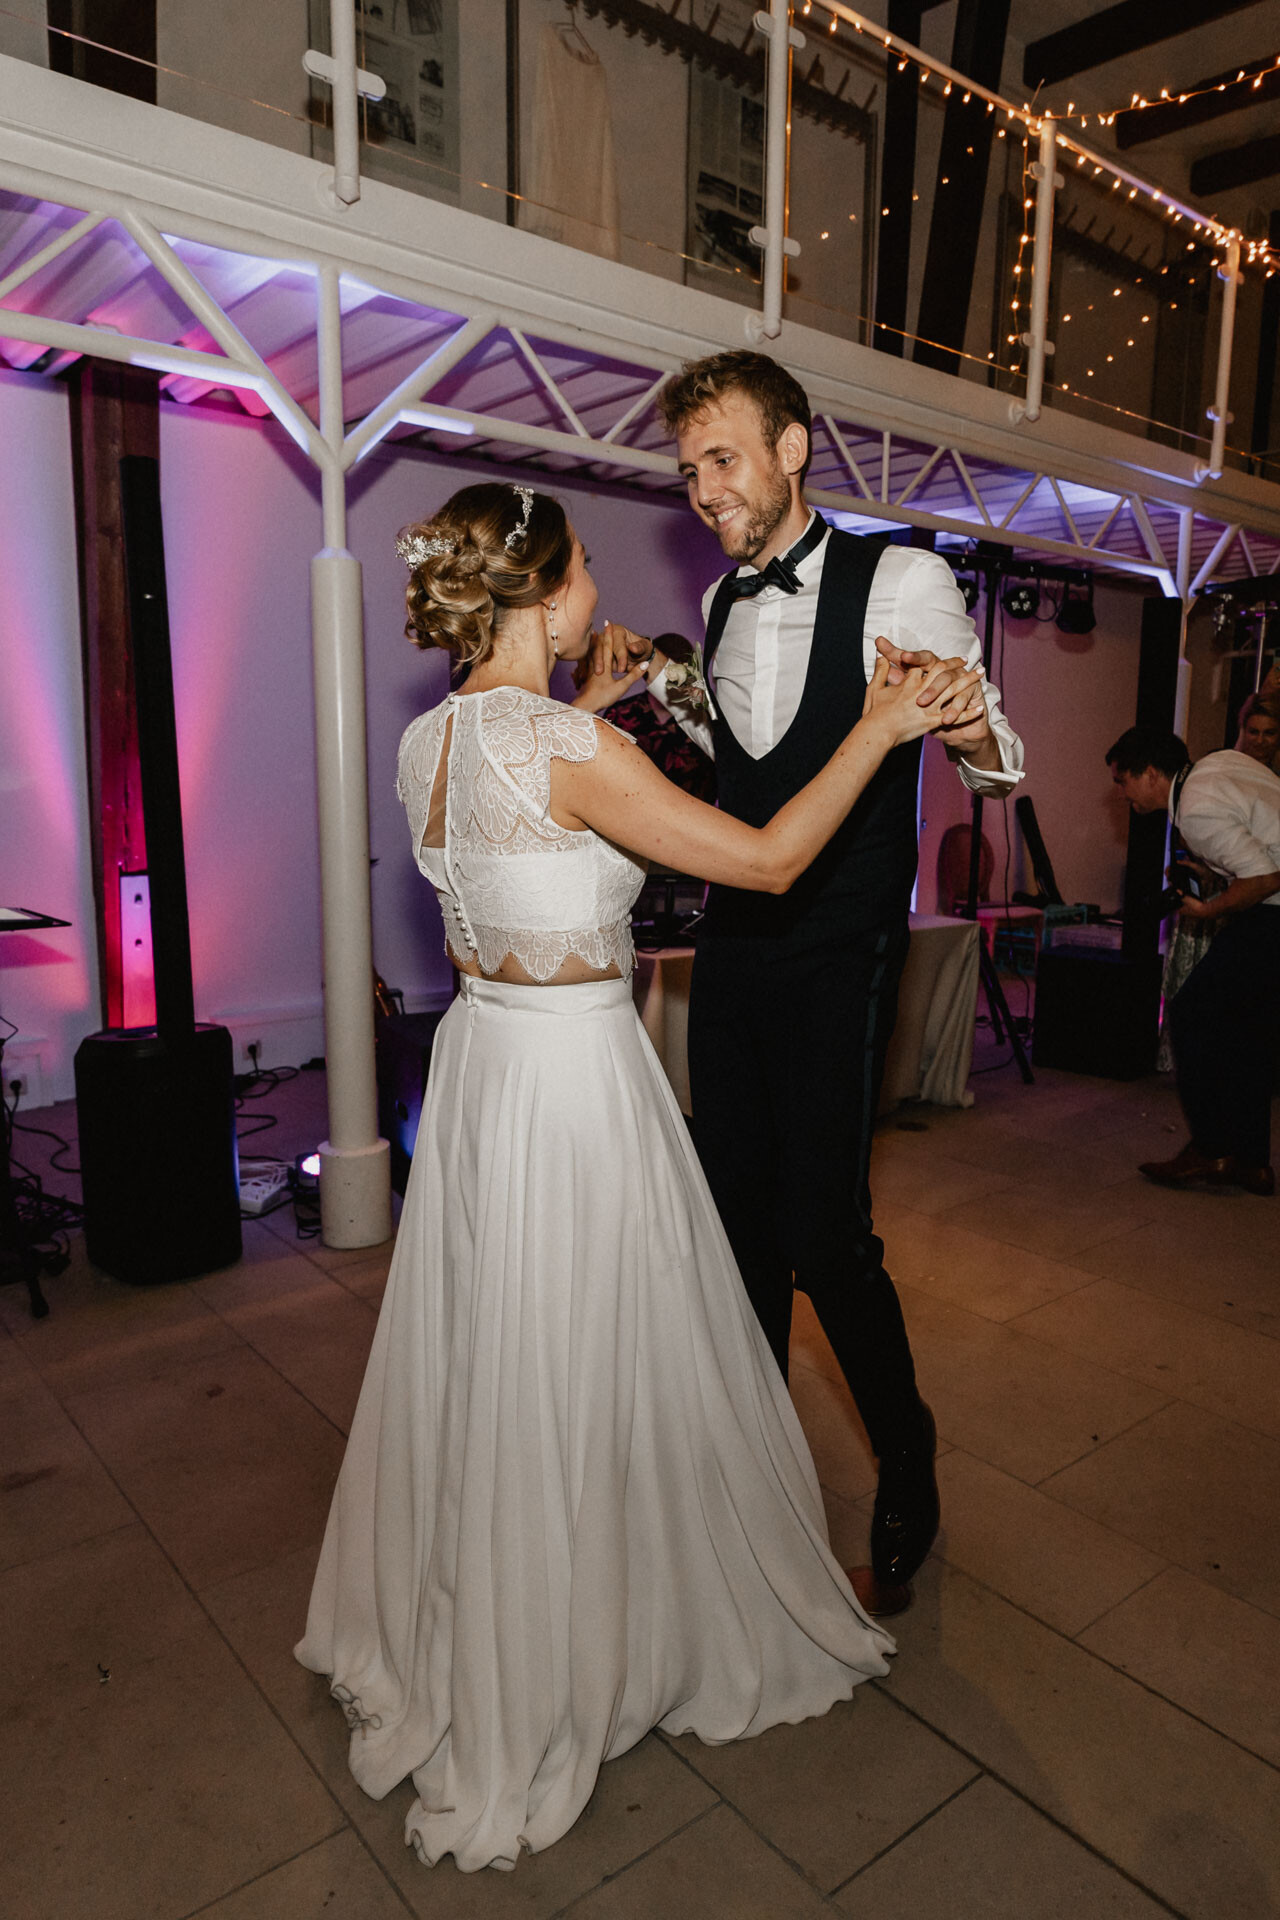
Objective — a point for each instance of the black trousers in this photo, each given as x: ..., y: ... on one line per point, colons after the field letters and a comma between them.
x: 1224, y: 1025
x: 786, y: 1056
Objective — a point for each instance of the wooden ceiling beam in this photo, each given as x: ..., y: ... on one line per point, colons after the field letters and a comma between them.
x: 1206, y: 100
x: 1237, y: 167
x: 1125, y: 28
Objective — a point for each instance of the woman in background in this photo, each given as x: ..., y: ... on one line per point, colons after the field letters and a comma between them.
x: 1259, y: 734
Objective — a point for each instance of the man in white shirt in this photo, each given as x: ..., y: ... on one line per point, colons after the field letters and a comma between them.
x: 1224, y: 1021
x: 794, y: 999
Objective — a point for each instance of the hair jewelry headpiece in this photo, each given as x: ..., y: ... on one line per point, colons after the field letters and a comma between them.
x: 414, y: 548
x: 519, y: 531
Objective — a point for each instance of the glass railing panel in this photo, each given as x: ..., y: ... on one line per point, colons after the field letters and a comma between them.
x: 905, y: 197
x: 938, y: 180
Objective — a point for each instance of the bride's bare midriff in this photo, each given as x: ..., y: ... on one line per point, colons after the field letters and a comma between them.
x: 574, y: 973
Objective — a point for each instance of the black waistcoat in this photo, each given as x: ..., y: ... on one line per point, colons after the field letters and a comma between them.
x: 864, y: 876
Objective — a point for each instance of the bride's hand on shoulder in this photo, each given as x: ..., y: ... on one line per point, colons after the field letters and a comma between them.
x: 897, y: 707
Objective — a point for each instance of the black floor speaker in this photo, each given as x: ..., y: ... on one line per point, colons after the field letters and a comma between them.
x: 404, y: 1058
x: 1097, y: 1012
x: 158, y: 1157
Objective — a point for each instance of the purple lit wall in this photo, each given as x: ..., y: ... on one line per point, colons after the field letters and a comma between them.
x: 48, y: 980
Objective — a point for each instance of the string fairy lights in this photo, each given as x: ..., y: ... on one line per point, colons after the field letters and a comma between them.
x: 1252, y: 252
x: 1254, y: 74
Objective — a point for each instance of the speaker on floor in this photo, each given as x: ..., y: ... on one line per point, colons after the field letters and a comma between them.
x: 404, y: 1058
x: 156, y: 1105
x: 1097, y: 1011
x: 158, y: 1152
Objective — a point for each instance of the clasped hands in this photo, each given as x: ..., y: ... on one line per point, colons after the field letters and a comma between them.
x: 620, y: 658
x: 969, y: 734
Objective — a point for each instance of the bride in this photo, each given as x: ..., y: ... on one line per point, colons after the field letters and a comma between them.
x: 576, y: 1502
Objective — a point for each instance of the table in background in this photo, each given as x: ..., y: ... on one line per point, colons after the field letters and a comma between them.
x: 932, y: 1046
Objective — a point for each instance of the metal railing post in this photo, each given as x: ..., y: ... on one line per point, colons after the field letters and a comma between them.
x: 347, y: 82
x: 772, y: 236
x: 1229, y: 274
x: 1039, y: 347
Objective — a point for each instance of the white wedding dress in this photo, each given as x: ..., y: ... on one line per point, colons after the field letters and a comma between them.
x: 576, y: 1503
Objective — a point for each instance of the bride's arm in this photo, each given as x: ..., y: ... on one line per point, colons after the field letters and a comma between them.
x: 622, y: 795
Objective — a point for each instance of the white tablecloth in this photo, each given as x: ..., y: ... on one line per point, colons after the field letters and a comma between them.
x: 932, y: 1046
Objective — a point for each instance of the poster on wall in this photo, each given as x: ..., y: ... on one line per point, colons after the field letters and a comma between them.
x: 726, y: 167
x: 411, y: 136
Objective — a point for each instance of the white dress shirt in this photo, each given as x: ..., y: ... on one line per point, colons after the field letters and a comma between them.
x: 760, y: 665
x: 1228, y: 814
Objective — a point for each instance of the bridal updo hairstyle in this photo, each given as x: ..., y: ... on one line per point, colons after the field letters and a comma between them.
x: 464, y: 578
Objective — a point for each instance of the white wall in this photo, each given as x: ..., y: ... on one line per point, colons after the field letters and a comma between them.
x: 221, y: 64
x: 48, y: 980
x: 24, y: 31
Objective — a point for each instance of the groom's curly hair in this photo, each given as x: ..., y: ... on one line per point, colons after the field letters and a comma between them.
x: 700, y: 383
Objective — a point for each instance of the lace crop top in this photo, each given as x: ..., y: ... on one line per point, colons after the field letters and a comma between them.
x: 499, y: 892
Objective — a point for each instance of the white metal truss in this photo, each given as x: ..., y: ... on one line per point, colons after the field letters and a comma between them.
x: 544, y: 398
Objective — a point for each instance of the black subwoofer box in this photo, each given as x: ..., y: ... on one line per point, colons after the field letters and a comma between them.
x: 1097, y: 1012
x: 404, y: 1058
x: 158, y: 1152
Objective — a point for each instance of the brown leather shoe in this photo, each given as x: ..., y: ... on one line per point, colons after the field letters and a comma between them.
x: 1189, y: 1168
x: 875, y: 1597
x: 1259, y: 1180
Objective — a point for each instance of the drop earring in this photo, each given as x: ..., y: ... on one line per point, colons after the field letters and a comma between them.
x: 551, y: 626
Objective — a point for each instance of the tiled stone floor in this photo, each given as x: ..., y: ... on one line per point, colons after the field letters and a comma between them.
x: 1084, y: 1716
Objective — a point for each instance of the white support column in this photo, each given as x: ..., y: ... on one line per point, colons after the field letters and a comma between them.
x: 772, y: 236
x: 1186, y: 532
x: 1182, y: 696
x: 355, y: 1165
x: 1229, y: 274
x: 1045, y: 173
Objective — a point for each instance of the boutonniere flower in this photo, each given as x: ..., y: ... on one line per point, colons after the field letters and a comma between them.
x: 687, y: 684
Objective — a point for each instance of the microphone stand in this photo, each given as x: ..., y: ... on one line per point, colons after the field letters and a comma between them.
x: 997, y: 1005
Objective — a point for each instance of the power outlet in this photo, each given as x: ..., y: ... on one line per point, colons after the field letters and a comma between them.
x: 252, y: 1051
x: 23, y: 1061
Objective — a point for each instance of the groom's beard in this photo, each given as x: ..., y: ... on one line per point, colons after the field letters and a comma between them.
x: 752, y: 529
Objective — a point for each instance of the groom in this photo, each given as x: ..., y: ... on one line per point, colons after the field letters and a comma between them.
x: 794, y: 996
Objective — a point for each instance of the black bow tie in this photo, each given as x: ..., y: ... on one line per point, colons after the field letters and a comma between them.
x: 781, y: 571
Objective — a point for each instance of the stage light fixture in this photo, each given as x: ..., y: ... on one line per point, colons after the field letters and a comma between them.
x: 1021, y: 599
x: 1076, y: 614
x: 968, y: 585
x: 307, y: 1171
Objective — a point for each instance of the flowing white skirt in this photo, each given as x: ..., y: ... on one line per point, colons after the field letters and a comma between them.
x: 576, y: 1502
